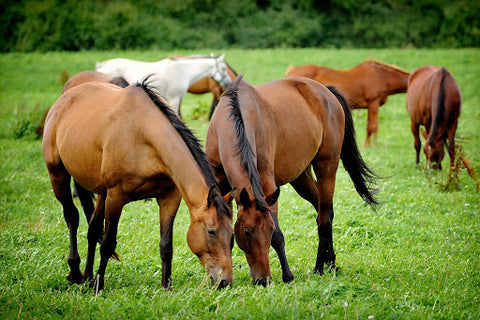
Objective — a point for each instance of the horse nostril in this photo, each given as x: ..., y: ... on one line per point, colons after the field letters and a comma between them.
x: 259, y: 281
x: 224, y: 283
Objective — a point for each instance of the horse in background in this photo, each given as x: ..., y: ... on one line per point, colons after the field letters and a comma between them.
x: 366, y: 86
x: 126, y: 145
x: 79, y: 78
x: 170, y: 77
x: 434, y: 102
x: 264, y: 136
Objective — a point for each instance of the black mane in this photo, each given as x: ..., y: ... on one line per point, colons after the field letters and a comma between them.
x: 188, y: 137
x: 244, y: 147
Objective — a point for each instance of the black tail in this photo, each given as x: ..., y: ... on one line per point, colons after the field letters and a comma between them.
x: 364, y: 179
x: 440, y: 113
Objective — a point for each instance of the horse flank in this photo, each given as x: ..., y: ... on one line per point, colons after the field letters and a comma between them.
x: 244, y: 146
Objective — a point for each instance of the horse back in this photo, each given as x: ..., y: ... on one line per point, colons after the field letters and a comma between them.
x: 301, y: 117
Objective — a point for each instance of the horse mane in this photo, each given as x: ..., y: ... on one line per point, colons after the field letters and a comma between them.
x: 244, y: 146
x: 386, y: 65
x: 440, y: 113
x: 188, y: 137
x: 234, y: 72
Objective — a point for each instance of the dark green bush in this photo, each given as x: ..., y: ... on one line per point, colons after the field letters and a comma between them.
x: 45, y: 25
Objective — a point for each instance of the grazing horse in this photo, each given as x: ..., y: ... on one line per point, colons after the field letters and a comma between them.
x: 126, y: 145
x: 170, y: 77
x: 264, y: 136
x: 79, y: 78
x: 434, y: 101
x: 366, y: 85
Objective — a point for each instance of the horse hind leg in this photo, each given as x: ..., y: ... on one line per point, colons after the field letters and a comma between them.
x: 113, y: 209
x: 60, y: 180
x: 325, y: 172
x: 95, y: 232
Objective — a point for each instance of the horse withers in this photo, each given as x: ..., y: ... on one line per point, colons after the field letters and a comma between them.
x: 264, y: 136
x: 170, y: 77
x: 126, y: 145
x: 366, y: 86
x: 434, y: 102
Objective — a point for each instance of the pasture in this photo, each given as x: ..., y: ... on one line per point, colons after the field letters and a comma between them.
x: 418, y: 257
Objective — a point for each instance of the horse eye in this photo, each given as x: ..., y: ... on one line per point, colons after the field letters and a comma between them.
x: 211, y: 232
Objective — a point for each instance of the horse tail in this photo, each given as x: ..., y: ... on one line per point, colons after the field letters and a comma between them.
x: 364, y: 179
x: 440, y: 112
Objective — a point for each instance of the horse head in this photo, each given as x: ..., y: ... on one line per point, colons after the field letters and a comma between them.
x: 253, y: 232
x: 220, y: 74
x: 210, y: 237
x: 434, y: 153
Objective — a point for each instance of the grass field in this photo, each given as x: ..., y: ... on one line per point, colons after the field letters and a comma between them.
x: 418, y: 257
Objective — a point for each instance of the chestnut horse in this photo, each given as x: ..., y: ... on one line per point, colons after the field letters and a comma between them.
x: 79, y: 78
x: 434, y: 101
x: 264, y: 136
x: 126, y: 145
x: 366, y: 85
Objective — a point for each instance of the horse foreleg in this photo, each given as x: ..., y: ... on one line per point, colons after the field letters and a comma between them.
x: 95, y: 230
x: 372, y: 123
x: 278, y: 243
x: 113, y: 208
x: 325, y: 172
x: 416, y: 140
x: 168, y: 209
x: 451, y: 145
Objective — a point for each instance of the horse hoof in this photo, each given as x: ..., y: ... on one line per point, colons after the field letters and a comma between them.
x: 75, y: 277
x: 288, y: 278
x: 97, y: 284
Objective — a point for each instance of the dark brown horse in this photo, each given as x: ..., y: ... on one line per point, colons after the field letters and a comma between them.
x: 79, y: 78
x: 434, y: 101
x: 264, y: 136
x: 125, y: 145
x: 366, y: 85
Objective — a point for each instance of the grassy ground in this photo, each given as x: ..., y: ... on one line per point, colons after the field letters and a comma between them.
x: 418, y: 257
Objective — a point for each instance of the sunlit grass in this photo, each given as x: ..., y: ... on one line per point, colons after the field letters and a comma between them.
x: 417, y: 257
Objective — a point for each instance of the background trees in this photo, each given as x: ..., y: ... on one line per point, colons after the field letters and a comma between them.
x: 33, y: 25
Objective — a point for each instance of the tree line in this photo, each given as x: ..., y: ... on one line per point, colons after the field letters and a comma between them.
x: 53, y: 25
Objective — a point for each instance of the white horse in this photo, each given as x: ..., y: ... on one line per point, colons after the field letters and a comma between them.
x: 170, y: 77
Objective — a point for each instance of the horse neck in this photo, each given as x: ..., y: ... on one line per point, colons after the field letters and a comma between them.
x: 184, y: 171
x: 396, y: 79
x: 195, y: 69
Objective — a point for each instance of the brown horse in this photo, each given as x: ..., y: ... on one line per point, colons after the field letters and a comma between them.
x: 434, y: 101
x: 79, y: 78
x: 125, y: 145
x: 264, y: 136
x: 366, y: 85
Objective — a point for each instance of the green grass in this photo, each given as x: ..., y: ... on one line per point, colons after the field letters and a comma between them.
x: 418, y: 257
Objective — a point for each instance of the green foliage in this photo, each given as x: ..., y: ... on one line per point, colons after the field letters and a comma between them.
x: 418, y: 257
x: 53, y: 25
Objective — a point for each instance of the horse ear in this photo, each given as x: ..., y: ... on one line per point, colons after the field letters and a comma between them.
x: 211, y: 195
x: 222, y: 56
x: 228, y: 198
x: 245, y: 199
x: 271, y: 199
